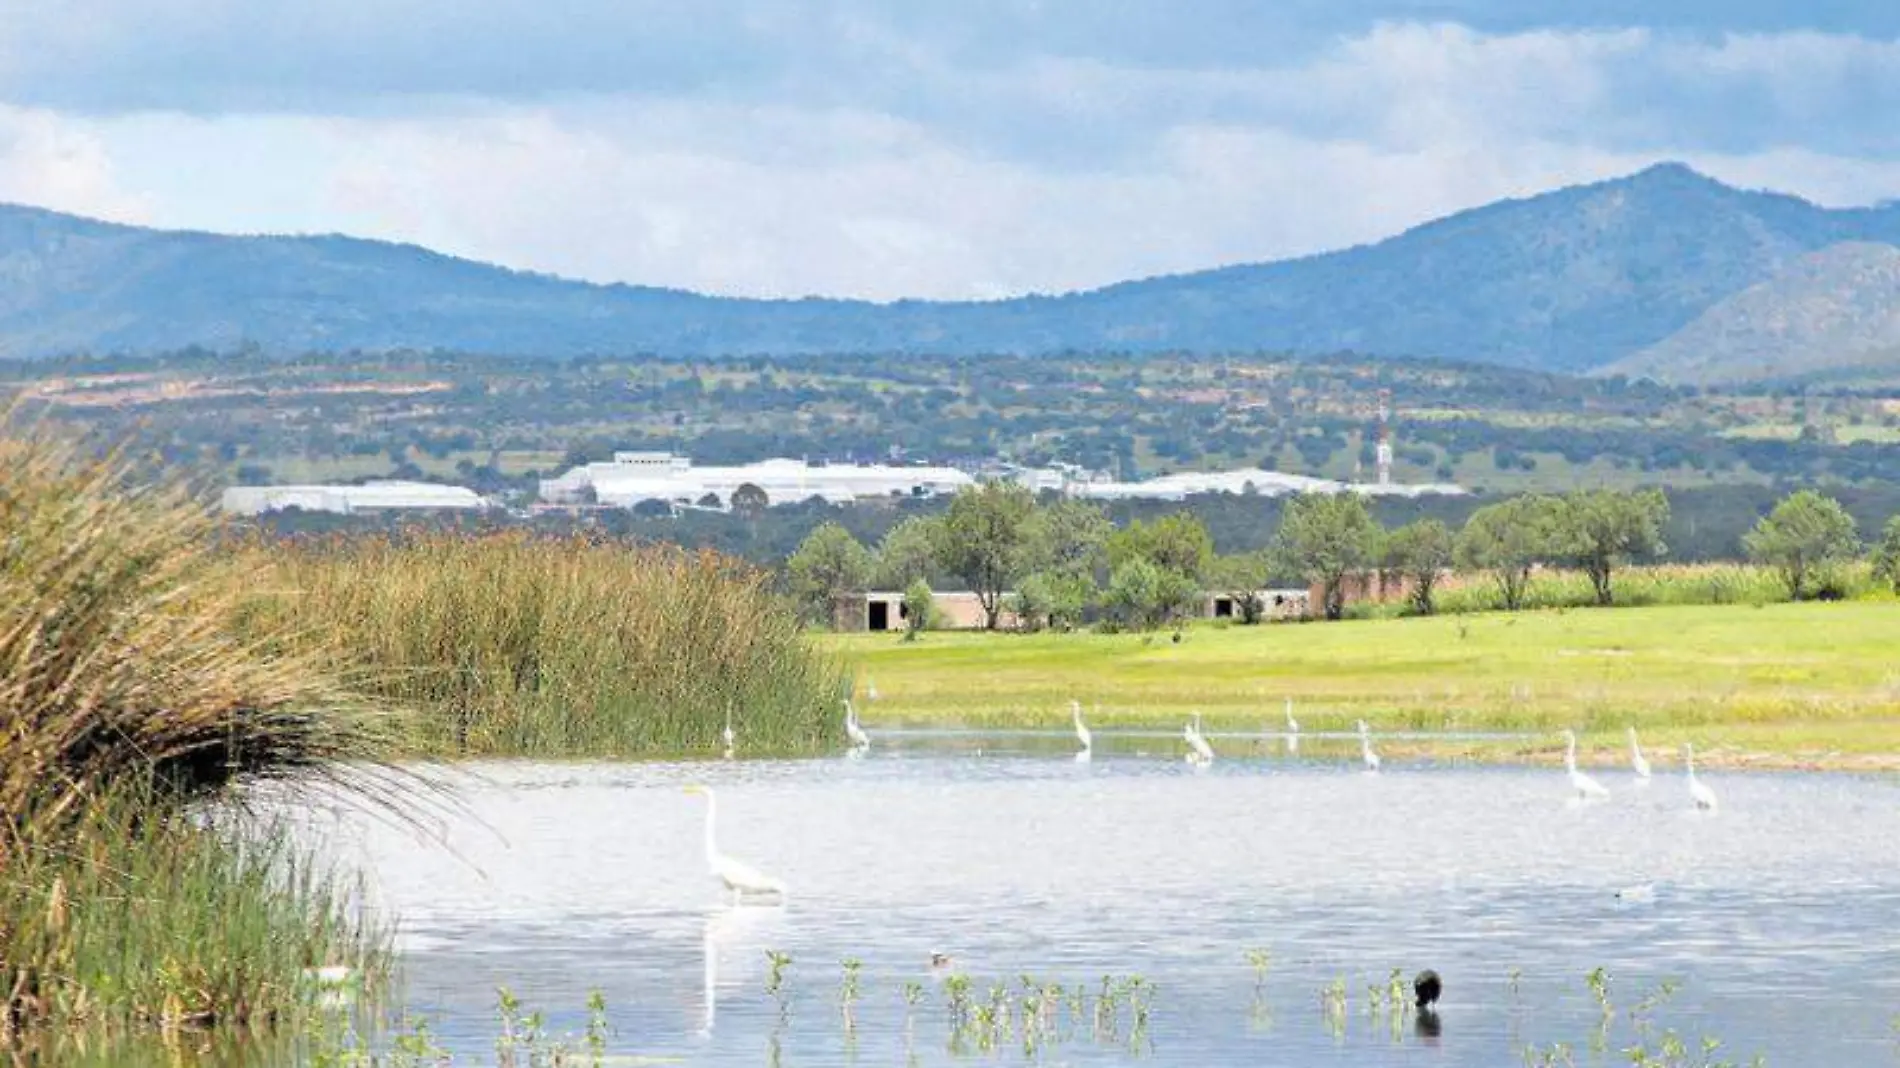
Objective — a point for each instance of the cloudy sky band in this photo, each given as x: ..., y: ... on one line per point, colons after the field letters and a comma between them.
x: 919, y: 149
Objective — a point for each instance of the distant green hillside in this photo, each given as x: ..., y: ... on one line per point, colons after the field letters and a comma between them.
x: 1567, y: 281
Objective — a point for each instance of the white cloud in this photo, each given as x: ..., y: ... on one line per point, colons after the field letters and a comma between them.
x: 1048, y: 173
x: 52, y: 162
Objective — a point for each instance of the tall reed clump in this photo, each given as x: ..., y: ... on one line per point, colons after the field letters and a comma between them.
x: 127, y: 919
x: 117, y: 654
x: 127, y: 703
x: 509, y: 644
x: 1636, y: 587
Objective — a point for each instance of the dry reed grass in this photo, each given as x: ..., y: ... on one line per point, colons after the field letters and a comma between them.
x: 509, y: 644
x: 117, y: 655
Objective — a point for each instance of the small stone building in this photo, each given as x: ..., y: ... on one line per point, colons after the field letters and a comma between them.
x: 883, y: 610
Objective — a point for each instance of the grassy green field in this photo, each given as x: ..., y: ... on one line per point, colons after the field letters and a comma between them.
x: 1779, y: 685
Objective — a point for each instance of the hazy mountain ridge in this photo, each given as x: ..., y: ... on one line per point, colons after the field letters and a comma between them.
x: 1570, y: 280
x: 1836, y: 309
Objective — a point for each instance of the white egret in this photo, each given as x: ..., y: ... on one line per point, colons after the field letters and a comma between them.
x: 860, y: 741
x: 740, y: 878
x: 1637, y: 760
x: 1365, y: 747
x: 870, y: 689
x: 1199, y: 752
x: 1292, y: 729
x: 1588, y: 789
x: 1087, y: 752
x: 727, y: 734
x: 1699, y: 791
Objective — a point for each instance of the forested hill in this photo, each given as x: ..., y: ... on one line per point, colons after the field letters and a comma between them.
x: 1570, y: 280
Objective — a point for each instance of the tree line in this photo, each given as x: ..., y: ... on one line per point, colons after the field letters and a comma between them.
x: 1055, y: 563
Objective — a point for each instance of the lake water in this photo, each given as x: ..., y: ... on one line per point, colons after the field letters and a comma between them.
x: 1776, y: 917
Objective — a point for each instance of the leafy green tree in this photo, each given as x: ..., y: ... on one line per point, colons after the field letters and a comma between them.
x: 1146, y: 595
x: 1804, y: 538
x: 983, y: 540
x: 1053, y: 600
x: 920, y: 609
x: 1030, y: 603
x: 1325, y: 537
x: 1241, y: 577
x: 1178, y: 542
x: 749, y: 501
x: 827, y: 565
x: 1067, y: 537
x: 907, y: 554
x: 1064, y: 553
x: 1887, y: 555
x: 1508, y: 539
x: 1603, y: 529
x: 1418, y: 553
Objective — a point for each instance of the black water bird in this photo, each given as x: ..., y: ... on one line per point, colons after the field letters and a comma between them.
x: 1426, y: 988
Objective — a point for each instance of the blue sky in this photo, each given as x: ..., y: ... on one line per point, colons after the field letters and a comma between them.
x: 942, y: 148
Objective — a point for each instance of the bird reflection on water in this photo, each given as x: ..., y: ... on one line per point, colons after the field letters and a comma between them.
x: 741, y: 935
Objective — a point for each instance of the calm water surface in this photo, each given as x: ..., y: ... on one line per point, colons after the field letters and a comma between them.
x: 1776, y: 916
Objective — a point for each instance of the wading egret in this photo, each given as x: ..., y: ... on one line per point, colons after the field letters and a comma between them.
x: 1199, y: 752
x: 740, y: 878
x: 1082, y: 734
x: 1699, y: 791
x: 1637, y: 760
x: 1588, y: 789
x: 1365, y: 747
x: 860, y: 741
x: 1292, y: 729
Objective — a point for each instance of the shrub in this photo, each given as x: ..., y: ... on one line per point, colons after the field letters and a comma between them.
x: 920, y: 609
x: 1886, y: 569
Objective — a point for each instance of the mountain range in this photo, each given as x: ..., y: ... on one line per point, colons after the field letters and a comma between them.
x: 1665, y: 273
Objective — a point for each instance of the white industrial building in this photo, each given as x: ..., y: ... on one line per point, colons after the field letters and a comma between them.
x: 349, y: 500
x: 633, y: 477
x: 1251, y: 480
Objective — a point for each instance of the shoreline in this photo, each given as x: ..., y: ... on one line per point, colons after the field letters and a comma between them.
x: 1666, y: 758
